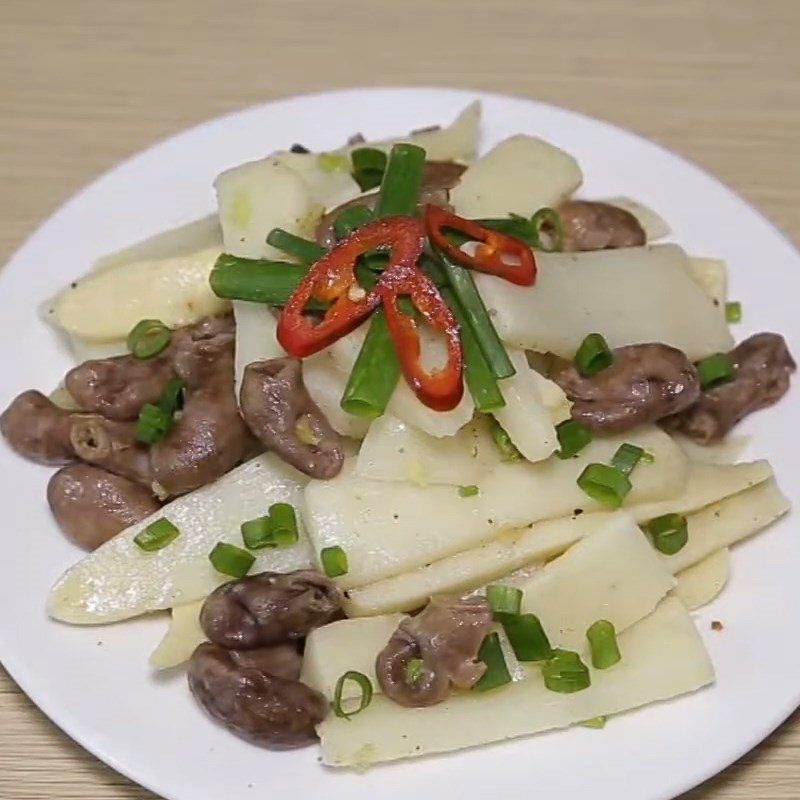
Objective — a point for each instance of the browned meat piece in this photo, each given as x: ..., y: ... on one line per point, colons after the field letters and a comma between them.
x: 645, y: 383
x: 445, y: 637
x: 92, y: 506
x: 266, y: 709
x: 282, y: 660
x: 281, y: 414
x: 763, y: 367
x: 438, y: 178
x: 598, y: 226
x: 268, y: 609
x: 37, y: 429
x: 111, y: 446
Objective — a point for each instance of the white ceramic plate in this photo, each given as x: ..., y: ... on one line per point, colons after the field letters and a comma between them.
x: 95, y: 683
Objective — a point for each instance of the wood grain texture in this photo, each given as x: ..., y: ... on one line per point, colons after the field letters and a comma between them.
x: 86, y: 83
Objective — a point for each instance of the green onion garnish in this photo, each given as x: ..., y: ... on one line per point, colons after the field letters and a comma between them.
x: 627, y: 457
x: 153, y: 424
x: 334, y: 561
x: 350, y: 219
x: 733, y: 311
x: 468, y: 491
x: 598, y: 723
x: 526, y: 636
x: 156, y: 535
x: 413, y: 671
x: 669, y: 533
x: 231, y: 560
x: 605, y: 484
x: 304, y: 250
x: 256, y: 533
x: 593, y: 356
x: 364, y: 684
x: 148, y: 338
x: 504, y: 599
x: 715, y: 371
x: 171, y: 399
x: 508, y: 451
x: 572, y: 437
x: 283, y: 524
x: 496, y: 670
x: 564, y: 672
x: 369, y: 164
x: 603, y: 644
x: 547, y: 220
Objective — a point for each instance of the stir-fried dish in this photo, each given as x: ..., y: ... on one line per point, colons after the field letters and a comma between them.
x: 419, y: 450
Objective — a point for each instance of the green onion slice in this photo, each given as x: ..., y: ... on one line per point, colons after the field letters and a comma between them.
x: 334, y: 561
x: 363, y: 683
x: 507, y: 448
x: 171, y: 399
x: 504, y: 599
x: 231, y: 560
x: 283, y: 524
x: 547, y: 221
x: 153, y: 424
x: 605, y: 484
x: 148, y: 338
x: 350, y: 219
x: 597, y: 723
x: 526, y: 635
x: 496, y: 675
x: 669, y: 532
x: 593, y: 356
x: 627, y: 457
x: 256, y: 533
x: 572, y: 437
x: 733, y: 311
x: 156, y: 536
x: 564, y: 672
x: 413, y: 671
x: 369, y: 164
x: 603, y: 644
x: 468, y: 491
x: 715, y: 371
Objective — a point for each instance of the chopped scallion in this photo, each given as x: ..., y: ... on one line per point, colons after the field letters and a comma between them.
x: 334, y: 561
x: 547, y: 221
x: 350, y: 219
x: 715, y: 371
x: 669, y: 532
x: 256, y: 533
x: 504, y: 599
x: 564, y: 672
x: 496, y: 675
x: 283, y: 524
x: 156, y: 536
x: 593, y: 356
x: 231, y: 560
x: 597, y: 723
x: 171, y: 399
x: 627, y: 457
x: 153, y: 424
x: 603, y: 644
x: 413, y: 671
x: 468, y: 491
x: 733, y: 311
x: 148, y: 338
x: 527, y: 636
x: 507, y: 448
x: 369, y: 164
x: 363, y: 683
x: 572, y: 437
x: 605, y: 484
x: 304, y: 250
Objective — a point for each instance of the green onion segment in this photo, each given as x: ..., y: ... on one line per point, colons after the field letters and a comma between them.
x: 334, y: 561
x: 258, y: 280
x: 496, y: 675
x: 468, y: 491
x: 733, y: 311
x: 669, y: 532
x: 507, y: 448
x: 605, y: 484
x: 564, y: 672
x: 153, y: 424
x: 627, y: 457
x: 603, y: 644
x: 402, y: 181
x: 156, y: 536
x: 304, y: 250
x: 231, y: 560
x: 526, y: 635
x: 350, y: 219
x: 547, y: 220
x: 572, y: 437
x: 597, y: 723
x: 369, y: 164
x: 593, y: 356
x: 148, y: 338
x: 363, y: 683
x: 277, y: 529
x: 504, y: 599
x: 715, y: 371
x: 414, y: 669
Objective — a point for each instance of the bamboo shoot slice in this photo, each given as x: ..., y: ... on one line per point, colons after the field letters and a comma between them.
x: 182, y: 637
x: 702, y: 582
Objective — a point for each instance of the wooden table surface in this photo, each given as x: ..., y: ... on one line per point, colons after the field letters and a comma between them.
x: 85, y: 83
